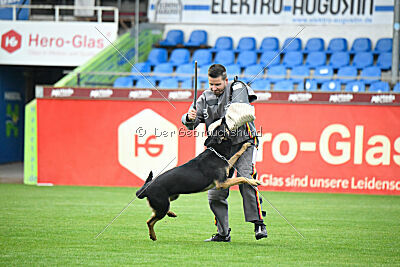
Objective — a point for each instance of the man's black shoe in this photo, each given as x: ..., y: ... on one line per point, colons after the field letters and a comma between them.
x: 220, y: 238
x: 261, y: 231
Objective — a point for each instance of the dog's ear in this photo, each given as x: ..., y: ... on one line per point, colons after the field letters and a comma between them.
x: 150, y: 177
x: 208, y: 141
x: 213, y: 140
x: 223, y: 132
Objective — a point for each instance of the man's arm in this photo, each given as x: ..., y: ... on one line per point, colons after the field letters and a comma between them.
x: 243, y: 93
x: 194, y: 117
x: 240, y: 111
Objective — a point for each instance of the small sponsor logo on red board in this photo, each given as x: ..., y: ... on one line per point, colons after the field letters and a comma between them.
x: 11, y: 41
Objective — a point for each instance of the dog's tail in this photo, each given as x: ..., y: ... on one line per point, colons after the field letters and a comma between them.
x: 140, y: 193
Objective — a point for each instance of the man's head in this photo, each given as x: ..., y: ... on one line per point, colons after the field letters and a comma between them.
x: 217, y: 79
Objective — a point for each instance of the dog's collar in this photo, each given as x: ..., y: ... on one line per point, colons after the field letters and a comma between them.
x: 219, y: 155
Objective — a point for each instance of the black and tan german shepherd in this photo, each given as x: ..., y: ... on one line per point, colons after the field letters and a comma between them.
x: 202, y: 173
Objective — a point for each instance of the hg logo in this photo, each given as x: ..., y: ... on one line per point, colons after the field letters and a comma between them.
x: 140, y: 150
x: 11, y: 41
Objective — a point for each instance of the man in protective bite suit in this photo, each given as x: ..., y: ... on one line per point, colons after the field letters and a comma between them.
x: 211, y: 106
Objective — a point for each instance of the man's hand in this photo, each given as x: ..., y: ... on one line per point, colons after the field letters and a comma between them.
x: 192, y: 114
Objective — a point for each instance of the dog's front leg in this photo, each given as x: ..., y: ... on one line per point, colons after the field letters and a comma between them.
x: 235, y: 157
x: 235, y: 181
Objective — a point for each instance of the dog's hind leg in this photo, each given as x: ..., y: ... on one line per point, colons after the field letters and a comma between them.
x: 171, y: 214
x: 160, y: 206
x: 150, y: 224
x: 235, y: 181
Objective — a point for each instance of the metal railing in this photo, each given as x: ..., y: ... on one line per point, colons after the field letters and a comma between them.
x: 57, y: 9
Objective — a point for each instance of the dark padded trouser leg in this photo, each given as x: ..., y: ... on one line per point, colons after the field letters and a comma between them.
x: 219, y: 206
x: 251, y: 202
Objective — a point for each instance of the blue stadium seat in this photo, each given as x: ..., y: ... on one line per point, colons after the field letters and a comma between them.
x: 331, y: 86
x: 337, y: 45
x: 308, y: 85
x: 292, y: 44
x: 347, y: 74
x: 223, y: 43
x: 270, y: 58
x: 284, y: 85
x: 247, y: 58
x: 383, y: 45
x: 174, y: 37
x: 363, y: 59
x: 203, y: 57
x: 355, y: 86
x: 141, y: 68
x: 314, y: 45
x: 246, y: 43
x: 269, y: 44
x: 197, y: 38
x: 339, y: 59
x: 384, y: 61
x: 323, y: 73
x: 170, y: 83
x: 292, y: 59
x: 157, y: 56
x: 370, y: 74
x: 124, y: 82
x: 253, y: 72
x: 298, y: 73
x: 179, y: 56
x: 187, y: 84
x: 233, y: 70
x: 145, y: 83
x: 261, y: 84
x: 183, y: 71
x: 396, y: 88
x: 361, y: 45
x: 379, y: 87
x: 315, y: 59
x: 203, y: 73
x: 225, y: 57
x: 276, y: 73
x: 22, y: 13
x: 163, y: 68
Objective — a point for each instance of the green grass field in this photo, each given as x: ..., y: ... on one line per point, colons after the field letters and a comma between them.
x: 57, y: 226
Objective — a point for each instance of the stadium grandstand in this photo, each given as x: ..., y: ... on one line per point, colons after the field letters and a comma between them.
x: 334, y: 64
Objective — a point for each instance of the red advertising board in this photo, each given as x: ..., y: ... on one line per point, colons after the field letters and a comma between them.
x: 303, y: 147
